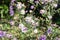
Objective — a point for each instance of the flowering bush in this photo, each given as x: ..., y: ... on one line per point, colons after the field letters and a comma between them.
x: 29, y: 20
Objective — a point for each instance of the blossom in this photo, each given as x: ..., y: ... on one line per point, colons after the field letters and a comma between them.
x: 49, y: 30
x: 26, y: 11
x: 2, y: 33
x: 23, y: 5
x: 35, y: 31
x: 45, y: 1
x: 42, y: 37
x: 42, y: 11
x: 36, y: 2
x: 12, y: 22
x: 55, y: 5
x: 11, y: 8
x: 16, y: 17
x: 57, y: 38
x: 54, y: 24
x: 24, y: 29
x: 28, y: 19
x: 50, y: 17
x: 33, y: 22
x: 37, y: 23
x: 13, y: 0
x: 11, y: 12
x: 30, y: 11
x: 21, y: 25
x: 22, y: 11
x: 19, y: 5
x: 9, y: 35
x: 32, y: 7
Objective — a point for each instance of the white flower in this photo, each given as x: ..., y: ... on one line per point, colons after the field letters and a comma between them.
x: 19, y: 5
x: 37, y: 24
x: 24, y: 29
x: 36, y: 2
x: 50, y: 17
x: 26, y: 11
x: 55, y: 5
x: 16, y: 16
x: 28, y: 19
x: 22, y: 11
x: 30, y: 11
x: 23, y: 5
x: 57, y: 38
x: 53, y: 24
x: 21, y: 25
x: 12, y: 22
x: 42, y: 11
x: 33, y: 22
x: 9, y: 35
x: 35, y: 31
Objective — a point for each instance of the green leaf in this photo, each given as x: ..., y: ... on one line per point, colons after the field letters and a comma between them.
x: 5, y: 9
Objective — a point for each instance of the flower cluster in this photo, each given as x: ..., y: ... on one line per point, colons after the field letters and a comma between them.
x: 11, y: 8
x: 23, y: 28
x: 31, y: 20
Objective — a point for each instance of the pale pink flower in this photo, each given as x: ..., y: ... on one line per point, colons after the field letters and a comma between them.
x: 12, y: 22
x: 42, y: 11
